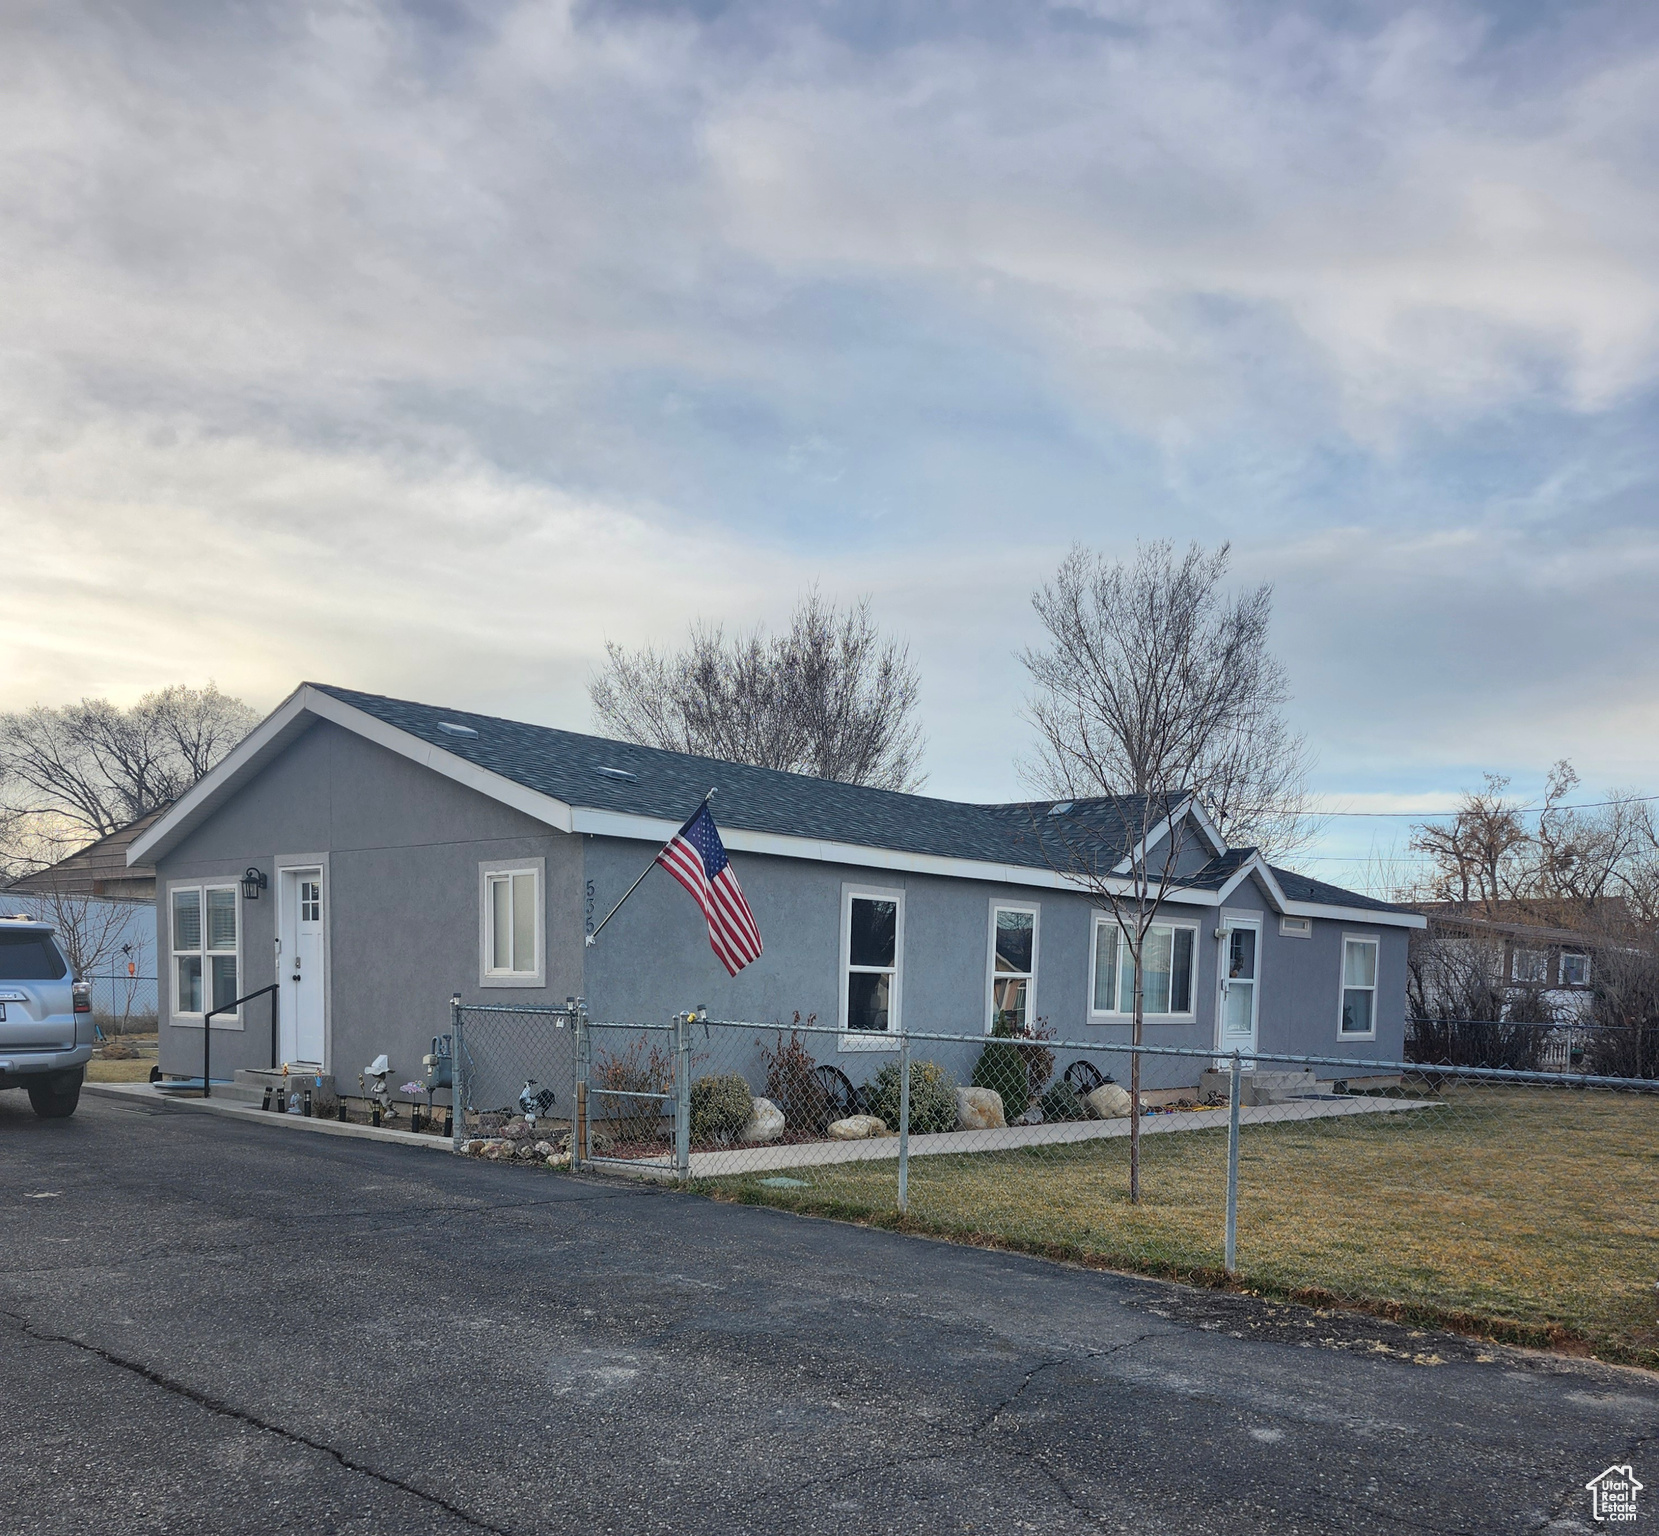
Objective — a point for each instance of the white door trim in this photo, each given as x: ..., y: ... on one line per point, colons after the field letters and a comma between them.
x: 282, y: 865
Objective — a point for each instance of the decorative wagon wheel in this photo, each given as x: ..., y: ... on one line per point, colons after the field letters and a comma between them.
x: 839, y: 1094
x: 1085, y: 1077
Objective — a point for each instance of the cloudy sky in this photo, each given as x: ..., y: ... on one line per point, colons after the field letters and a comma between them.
x: 424, y: 348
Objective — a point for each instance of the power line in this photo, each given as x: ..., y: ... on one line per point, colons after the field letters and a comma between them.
x: 1524, y: 810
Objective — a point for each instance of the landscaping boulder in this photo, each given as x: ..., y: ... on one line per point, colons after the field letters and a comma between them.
x: 1108, y: 1102
x: 765, y: 1121
x: 859, y: 1128
x: 527, y: 1150
x: 516, y: 1130
x: 496, y: 1149
x: 978, y: 1109
x: 544, y: 1149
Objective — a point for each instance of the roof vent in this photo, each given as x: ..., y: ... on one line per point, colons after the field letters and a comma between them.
x: 616, y: 773
x: 450, y: 728
x: 1059, y: 808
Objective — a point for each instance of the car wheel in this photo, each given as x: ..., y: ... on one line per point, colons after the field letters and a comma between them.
x: 56, y: 1098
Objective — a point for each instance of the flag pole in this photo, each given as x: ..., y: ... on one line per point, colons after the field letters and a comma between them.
x: 586, y: 942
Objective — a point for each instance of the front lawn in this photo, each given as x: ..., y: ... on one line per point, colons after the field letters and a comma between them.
x: 1530, y: 1215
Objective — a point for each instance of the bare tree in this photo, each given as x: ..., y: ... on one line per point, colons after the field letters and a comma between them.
x: 1153, y: 683
x: 73, y: 774
x: 830, y: 698
x: 1482, y: 856
x: 1154, y: 677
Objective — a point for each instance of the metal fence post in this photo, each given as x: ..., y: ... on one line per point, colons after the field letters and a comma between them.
x: 682, y: 1096
x: 904, y: 1122
x: 1232, y: 1166
x: 457, y: 1075
x: 579, y: 1131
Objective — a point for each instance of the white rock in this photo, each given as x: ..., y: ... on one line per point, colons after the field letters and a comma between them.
x: 858, y: 1128
x: 765, y: 1121
x: 978, y: 1109
x: 1108, y: 1102
x: 545, y: 1149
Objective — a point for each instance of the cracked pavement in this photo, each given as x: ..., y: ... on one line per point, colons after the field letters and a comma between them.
x: 207, y: 1326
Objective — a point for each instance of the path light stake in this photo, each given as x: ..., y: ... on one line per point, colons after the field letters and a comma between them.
x: 449, y: 1123
x: 1232, y: 1167
x: 265, y: 1103
x: 340, y: 1106
x: 904, y: 1121
x: 306, y: 1111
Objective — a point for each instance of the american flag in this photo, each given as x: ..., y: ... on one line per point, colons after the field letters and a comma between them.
x: 697, y: 859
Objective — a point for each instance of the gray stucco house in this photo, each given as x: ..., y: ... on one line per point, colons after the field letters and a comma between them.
x: 410, y: 853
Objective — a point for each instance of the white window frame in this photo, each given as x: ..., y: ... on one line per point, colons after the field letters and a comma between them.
x: 176, y: 1014
x: 1295, y: 927
x: 860, y: 1040
x: 1105, y: 921
x: 488, y: 871
x: 1342, y: 987
x: 1561, y: 968
x: 991, y: 971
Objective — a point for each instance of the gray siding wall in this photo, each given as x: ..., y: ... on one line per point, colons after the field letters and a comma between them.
x: 654, y: 959
x: 403, y: 847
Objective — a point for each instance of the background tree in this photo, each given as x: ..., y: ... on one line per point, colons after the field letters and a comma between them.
x: 830, y: 697
x: 74, y: 774
x: 1155, y: 683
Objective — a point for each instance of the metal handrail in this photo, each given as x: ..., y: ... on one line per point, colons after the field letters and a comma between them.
x: 207, y: 1030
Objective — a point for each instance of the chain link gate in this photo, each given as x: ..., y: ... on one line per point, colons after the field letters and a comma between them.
x: 510, y: 1059
x: 633, y: 1095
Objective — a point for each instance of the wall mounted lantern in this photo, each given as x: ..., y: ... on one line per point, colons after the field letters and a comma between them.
x: 252, y: 884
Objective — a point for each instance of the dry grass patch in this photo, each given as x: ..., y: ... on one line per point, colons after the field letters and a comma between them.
x: 1526, y: 1214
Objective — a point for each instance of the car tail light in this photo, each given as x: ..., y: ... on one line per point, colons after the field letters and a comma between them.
x: 83, y: 996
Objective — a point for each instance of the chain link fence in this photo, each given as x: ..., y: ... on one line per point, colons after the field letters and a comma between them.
x: 1524, y: 1205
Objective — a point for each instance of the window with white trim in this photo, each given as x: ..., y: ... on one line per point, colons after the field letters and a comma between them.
x: 206, y: 935
x: 1167, y: 953
x: 510, y: 924
x: 1359, y: 987
x: 1013, y: 965
x: 872, y: 951
x: 1575, y: 969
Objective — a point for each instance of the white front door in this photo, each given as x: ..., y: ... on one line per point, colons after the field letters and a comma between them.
x: 1241, y: 944
x: 300, y: 965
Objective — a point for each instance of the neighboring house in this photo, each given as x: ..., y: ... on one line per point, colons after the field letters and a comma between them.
x: 100, y: 876
x: 1532, y: 951
x: 410, y: 853
x: 100, y: 869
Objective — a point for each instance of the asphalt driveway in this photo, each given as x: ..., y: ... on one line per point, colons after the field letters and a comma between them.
x: 214, y: 1327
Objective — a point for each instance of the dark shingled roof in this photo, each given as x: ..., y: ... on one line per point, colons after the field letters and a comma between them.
x: 1037, y: 834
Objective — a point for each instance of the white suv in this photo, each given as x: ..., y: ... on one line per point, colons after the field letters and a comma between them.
x: 45, y: 1019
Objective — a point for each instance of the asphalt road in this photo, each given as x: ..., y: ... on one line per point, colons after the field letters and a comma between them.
x: 211, y: 1327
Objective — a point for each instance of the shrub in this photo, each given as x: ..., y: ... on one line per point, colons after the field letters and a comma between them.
x: 791, y: 1083
x: 1002, y: 1066
x: 1062, y: 1103
x: 932, y: 1097
x: 720, y: 1107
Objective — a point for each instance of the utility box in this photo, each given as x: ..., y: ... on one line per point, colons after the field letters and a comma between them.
x: 438, y: 1066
